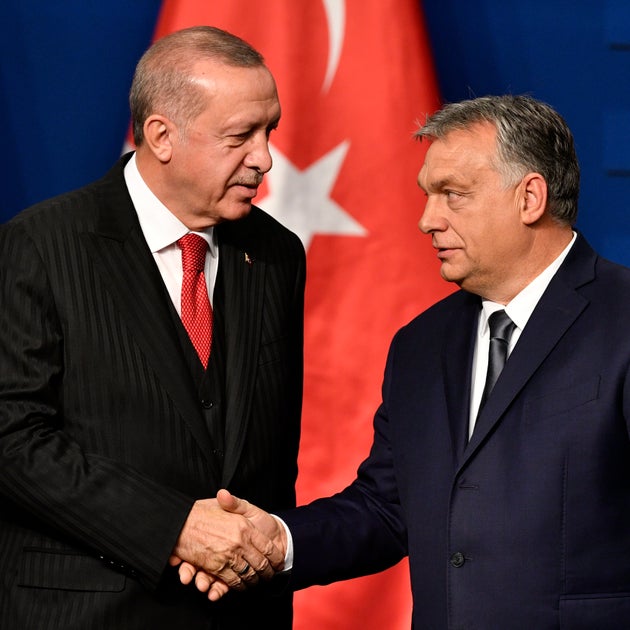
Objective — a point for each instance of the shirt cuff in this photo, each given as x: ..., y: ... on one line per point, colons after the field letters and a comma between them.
x: 288, y: 556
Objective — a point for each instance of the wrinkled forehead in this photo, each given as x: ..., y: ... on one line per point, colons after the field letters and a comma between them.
x: 458, y: 156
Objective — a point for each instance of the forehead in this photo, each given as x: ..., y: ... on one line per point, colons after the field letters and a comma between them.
x: 460, y: 154
x: 232, y: 87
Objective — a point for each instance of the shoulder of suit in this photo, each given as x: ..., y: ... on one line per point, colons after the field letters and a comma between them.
x: 76, y: 208
x: 439, y: 315
x: 259, y: 231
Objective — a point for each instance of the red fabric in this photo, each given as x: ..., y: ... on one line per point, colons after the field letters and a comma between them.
x: 354, y: 78
x: 196, y: 309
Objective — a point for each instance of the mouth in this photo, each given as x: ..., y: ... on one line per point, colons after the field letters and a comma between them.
x: 246, y: 190
x: 444, y: 252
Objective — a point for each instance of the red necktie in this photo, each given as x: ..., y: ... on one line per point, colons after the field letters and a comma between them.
x: 196, y: 309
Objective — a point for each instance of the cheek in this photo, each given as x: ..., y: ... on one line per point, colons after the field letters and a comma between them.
x: 228, y: 169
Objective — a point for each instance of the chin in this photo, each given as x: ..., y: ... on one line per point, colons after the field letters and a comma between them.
x: 236, y: 212
x: 447, y: 274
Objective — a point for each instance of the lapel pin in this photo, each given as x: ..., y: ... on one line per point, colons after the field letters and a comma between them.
x: 248, y: 259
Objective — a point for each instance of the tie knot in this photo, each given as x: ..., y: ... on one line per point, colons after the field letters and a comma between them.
x: 501, y: 326
x: 194, y: 249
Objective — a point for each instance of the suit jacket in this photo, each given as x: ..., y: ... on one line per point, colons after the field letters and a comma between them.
x: 525, y: 526
x: 103, y: 442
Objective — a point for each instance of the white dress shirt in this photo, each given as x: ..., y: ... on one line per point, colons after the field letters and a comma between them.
x: 519, y: 310
x: 162, y: 229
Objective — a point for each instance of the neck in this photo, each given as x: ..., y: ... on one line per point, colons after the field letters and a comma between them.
x: 544, y: 249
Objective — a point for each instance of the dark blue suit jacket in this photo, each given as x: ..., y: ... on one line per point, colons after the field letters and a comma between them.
x: 528, y: 524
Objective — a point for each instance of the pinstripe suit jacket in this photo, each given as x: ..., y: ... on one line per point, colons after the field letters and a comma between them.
x: 103, y: 446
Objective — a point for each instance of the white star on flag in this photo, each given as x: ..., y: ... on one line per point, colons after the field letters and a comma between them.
x: 322, y: 54
x: 301, y: 200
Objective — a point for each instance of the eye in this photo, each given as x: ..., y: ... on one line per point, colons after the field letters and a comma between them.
x: 238, y: 139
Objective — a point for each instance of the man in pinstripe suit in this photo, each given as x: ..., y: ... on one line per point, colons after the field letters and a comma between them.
x: 112, y: 432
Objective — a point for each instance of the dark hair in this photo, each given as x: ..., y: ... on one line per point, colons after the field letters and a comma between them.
x: 531, y: 137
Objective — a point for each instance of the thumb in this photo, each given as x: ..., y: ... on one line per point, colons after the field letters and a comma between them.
x: 265, y: 523
x: 231, y: 503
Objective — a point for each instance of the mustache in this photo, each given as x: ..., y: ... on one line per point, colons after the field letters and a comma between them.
x: 252, y: 181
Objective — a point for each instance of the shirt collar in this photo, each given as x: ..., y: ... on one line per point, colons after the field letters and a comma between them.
x: 159, y: 225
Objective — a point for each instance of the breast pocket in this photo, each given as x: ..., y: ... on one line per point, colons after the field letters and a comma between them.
x: 567, y: 400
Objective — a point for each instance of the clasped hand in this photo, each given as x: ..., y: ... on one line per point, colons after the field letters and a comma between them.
x: 228, y: 543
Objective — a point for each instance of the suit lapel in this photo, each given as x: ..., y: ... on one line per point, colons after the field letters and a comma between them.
x: 457, y: 361
x: 556, y: 311
x: 243, y: 274
x: 127, y: 268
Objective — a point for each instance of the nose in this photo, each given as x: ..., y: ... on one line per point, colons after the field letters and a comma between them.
x: 432, y: 219
x: 258, y: 156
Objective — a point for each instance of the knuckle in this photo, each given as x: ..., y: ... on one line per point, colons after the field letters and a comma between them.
x: 269, y: 548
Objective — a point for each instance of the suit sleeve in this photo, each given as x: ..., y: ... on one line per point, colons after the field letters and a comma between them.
x: 47, y: 477
x: 358, y: 531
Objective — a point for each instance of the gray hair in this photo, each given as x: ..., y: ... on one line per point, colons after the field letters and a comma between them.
x: 163, y: 81
x: 531, y: 137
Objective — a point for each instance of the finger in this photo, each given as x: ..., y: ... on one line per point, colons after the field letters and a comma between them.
x: 203, y: 581
x: 248, y: 574
x: 230, y: 503
x: 262, y: 537
x: 232, y: 577
x: 186, y: 573
x: 266, y: 558
x: 174, y: 561
x: 217, y: 590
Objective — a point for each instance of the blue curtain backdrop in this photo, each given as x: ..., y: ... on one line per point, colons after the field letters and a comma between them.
x: 65, y: 68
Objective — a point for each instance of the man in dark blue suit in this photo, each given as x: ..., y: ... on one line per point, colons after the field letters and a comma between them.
x: 513, y: 505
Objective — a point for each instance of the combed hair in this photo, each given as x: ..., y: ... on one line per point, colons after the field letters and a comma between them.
x: 531, y: 137
x: 163, y: 81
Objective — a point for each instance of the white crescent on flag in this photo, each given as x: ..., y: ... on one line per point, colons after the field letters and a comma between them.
x: 301, y: 200
x: 336, y: 16
x: 352, y: 77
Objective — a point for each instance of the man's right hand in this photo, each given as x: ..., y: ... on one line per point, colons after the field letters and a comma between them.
x: 219, y: 539
x: 269, y: 538
x: 263, y: 521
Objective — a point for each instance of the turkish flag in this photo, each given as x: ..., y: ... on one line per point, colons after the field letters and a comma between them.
x: 354, y: 78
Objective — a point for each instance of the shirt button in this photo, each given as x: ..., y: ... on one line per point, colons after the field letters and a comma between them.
x: 207, y: 404
x: 457, y: 560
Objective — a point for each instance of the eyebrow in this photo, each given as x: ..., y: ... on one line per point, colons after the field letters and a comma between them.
x: 241, y: 127
x: 440, y: 184
x: 462, y: 183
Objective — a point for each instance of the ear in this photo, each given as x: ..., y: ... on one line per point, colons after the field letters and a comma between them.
x: 158, y: 133
x: 534, y: 202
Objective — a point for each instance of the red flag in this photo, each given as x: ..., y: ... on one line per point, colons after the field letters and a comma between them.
x: 354, y: 77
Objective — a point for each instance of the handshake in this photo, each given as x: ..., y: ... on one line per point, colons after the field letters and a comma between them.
x: 228, y: 543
